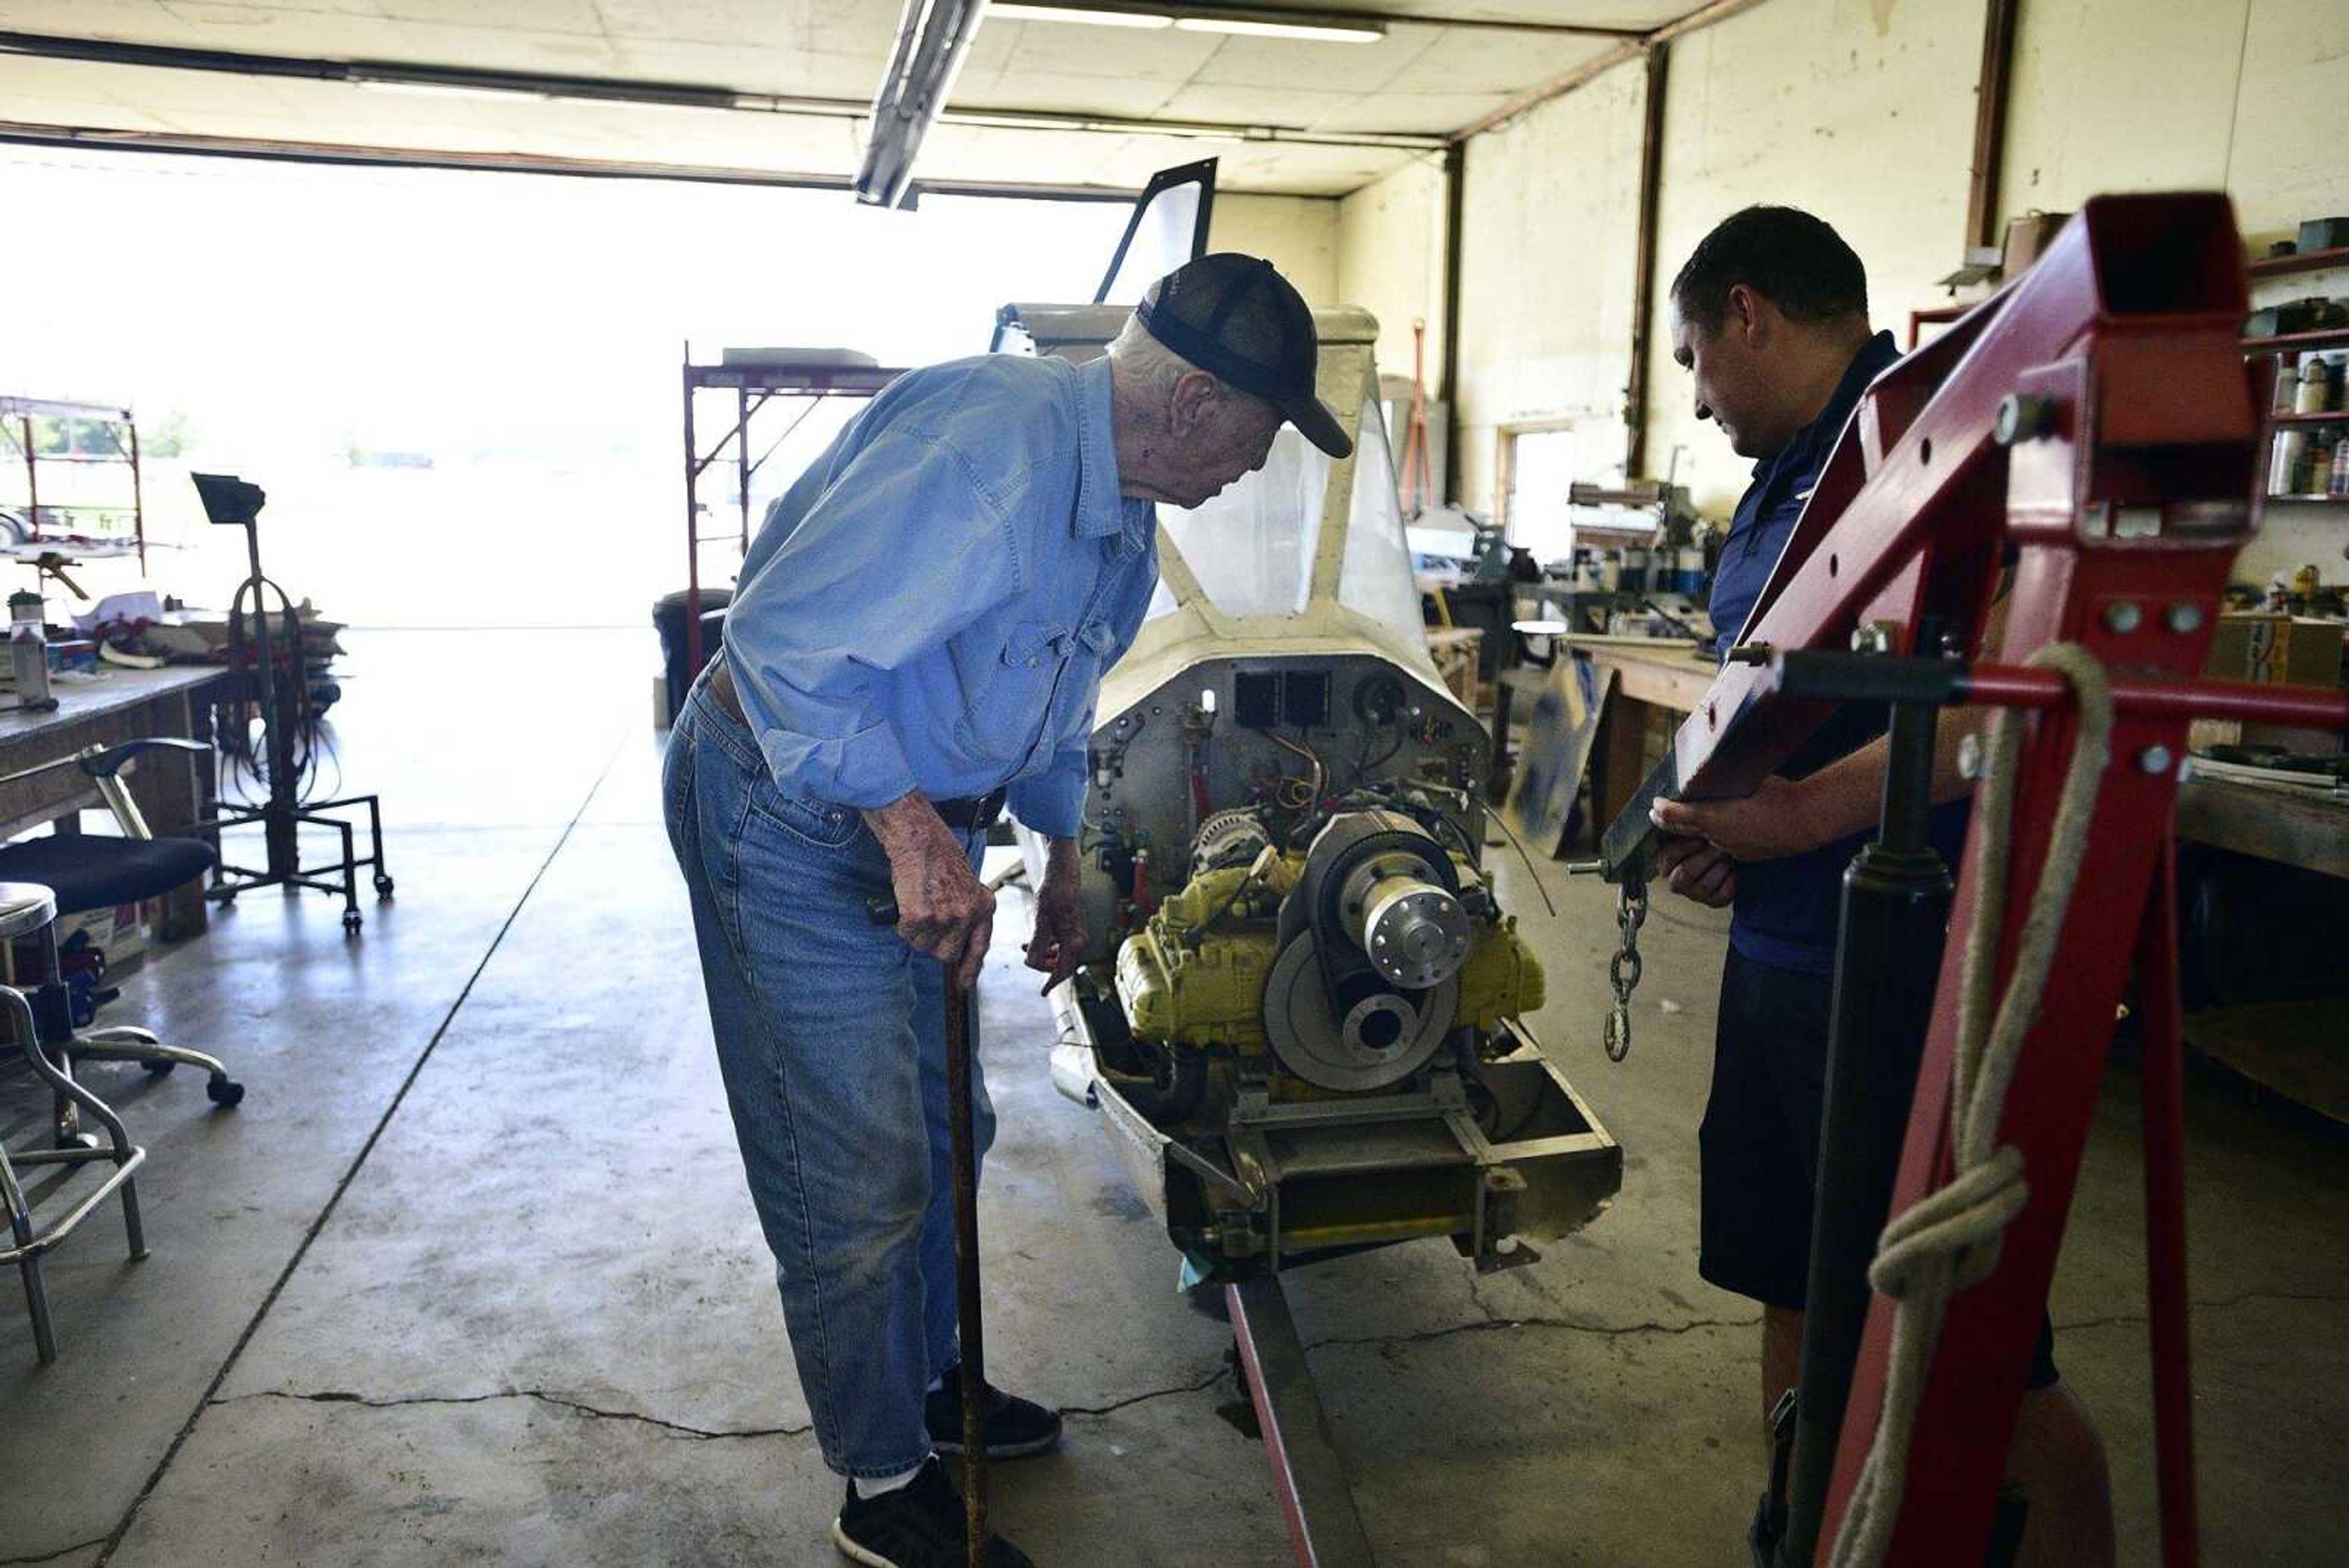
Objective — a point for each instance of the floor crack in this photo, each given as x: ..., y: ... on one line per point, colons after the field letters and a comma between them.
x: 2215, y: 1303
x: 559, y: 1401
x: 1572, y: 1326
x: 53, y: 1556
x: 1207, y: 1381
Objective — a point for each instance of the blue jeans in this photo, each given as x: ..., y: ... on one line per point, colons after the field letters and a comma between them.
x: 830, y: 1037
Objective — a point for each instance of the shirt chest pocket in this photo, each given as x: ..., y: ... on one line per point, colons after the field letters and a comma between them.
x: 1006, y: 704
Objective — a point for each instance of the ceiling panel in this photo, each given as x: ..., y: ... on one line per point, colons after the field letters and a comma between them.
x: 1465, y: 61
x: 1065, y: 49
x: 1434, y: 114
x: 1298, y: 106
x: 1121, y: 96
x: 1423, y: 78
x: 1276, y: 64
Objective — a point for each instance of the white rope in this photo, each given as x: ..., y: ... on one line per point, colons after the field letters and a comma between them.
x: 1950, y: 1238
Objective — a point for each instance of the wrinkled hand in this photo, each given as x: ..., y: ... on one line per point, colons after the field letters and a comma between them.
x: 943, y: 908
x: 1058, y: 943
x: 1768, y: 825
x: 1695, y: 869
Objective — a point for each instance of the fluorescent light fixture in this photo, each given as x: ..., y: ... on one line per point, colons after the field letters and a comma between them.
x: 1017, y: 13
x: 933, y: 36
x: 1268, y: 24
x: 1315, y: 32
x: 446, y: 89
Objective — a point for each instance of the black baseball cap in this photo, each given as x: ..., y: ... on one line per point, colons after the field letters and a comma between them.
x: 1235, y: 317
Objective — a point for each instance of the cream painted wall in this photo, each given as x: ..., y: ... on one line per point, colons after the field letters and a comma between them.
x: 2243, y: 94
x: 1551, y: 215
x: 2247, y: 95
x: 1298, y: 234
x: 1859, y: 110
x: 1391, y: 261
x: 1862, y: 110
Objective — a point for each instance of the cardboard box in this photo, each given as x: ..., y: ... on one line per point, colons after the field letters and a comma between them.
x: 2276, y: 649
x: 2026, y: 237
x: 116, y: 932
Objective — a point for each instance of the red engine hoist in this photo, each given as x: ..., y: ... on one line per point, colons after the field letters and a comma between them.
x: 2093, y: 424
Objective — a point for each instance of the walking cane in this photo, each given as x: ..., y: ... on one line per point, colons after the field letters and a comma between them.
x: 883, y: 909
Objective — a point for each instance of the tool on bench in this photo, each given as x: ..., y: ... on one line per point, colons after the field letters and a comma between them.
x: 882, y: 911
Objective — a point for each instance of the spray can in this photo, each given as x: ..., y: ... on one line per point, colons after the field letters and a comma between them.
x: 2283, y: 464
x: 28, y: 650
x: 2315, y: 385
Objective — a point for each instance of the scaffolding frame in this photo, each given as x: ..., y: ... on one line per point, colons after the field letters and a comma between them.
x: 808, y: 381
x: 17, y: 417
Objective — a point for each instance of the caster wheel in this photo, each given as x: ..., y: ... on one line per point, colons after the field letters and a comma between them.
x: 383, y: 885
x: 158, y: 1069
x: 351, y: 922
x: 225, y: 1093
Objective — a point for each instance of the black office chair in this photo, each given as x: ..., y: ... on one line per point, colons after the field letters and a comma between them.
x: 87, y: 871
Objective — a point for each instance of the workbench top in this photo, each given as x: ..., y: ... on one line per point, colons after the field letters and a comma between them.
x: 116, y: 689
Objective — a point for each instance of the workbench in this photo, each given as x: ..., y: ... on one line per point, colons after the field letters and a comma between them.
x: 2296, y: 826
x: 1651, y: 674
x: 175, y: 791
x: 2293, y: 1047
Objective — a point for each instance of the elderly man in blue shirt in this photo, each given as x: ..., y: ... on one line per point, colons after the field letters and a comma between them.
x: 917, y: 638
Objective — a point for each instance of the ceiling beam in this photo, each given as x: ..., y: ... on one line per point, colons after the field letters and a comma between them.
x: 25, y: 134
x: 1367, y: 17
x: 674, y: 95
x: 1600, y: 64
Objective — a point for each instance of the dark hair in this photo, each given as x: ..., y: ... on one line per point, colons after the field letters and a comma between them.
x: 1789, y: 258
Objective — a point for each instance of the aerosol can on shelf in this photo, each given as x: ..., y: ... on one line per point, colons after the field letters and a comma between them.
x: 28, y: 648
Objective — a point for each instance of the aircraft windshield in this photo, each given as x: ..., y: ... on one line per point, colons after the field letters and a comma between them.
x: 1374, y: 579
x: 1252, y: 547
x: 1168, y: 227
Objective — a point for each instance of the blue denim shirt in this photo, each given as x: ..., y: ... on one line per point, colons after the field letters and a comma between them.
x: 932, y: 605
x: 1786, y: 910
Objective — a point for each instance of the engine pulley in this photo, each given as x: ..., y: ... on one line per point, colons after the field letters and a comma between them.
x: 1381, y: 1040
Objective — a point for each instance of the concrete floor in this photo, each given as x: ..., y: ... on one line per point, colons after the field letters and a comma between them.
x: 471, y: 1276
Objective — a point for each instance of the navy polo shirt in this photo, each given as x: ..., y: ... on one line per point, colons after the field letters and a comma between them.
x: 1787, y: 909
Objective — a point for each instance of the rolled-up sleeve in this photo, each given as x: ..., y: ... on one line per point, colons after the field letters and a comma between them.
x: 903, y: 550
x: 1052, y: 803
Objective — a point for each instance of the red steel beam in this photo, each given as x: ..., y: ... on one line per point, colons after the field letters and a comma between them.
x: 2138, y: 492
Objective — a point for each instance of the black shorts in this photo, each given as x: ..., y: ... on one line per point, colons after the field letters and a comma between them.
x: 1759, y: 1142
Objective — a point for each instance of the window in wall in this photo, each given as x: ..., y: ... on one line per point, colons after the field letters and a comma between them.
x: 1537, y: 468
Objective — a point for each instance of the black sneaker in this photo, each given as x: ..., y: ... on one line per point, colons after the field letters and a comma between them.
x: 919, y: 1525
x: 1014, y: 1427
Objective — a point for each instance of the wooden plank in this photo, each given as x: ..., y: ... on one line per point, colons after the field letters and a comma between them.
x: 2297, y: 827
x: 2291, y: 1048
x: 1674, y: 680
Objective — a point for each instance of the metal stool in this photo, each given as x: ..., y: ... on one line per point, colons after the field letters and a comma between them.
x: 27, y: 908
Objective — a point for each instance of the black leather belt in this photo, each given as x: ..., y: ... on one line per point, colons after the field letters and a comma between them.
x: 968, y: 814
x: 964, y: 813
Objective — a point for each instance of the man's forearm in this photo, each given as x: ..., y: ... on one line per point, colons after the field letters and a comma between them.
x: 910, y: 822
x: 1061, y: 860
x: 1846, y: 796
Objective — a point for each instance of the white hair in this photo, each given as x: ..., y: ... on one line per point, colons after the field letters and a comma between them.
x: 1149, y: 369
x: 1147, y: 366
